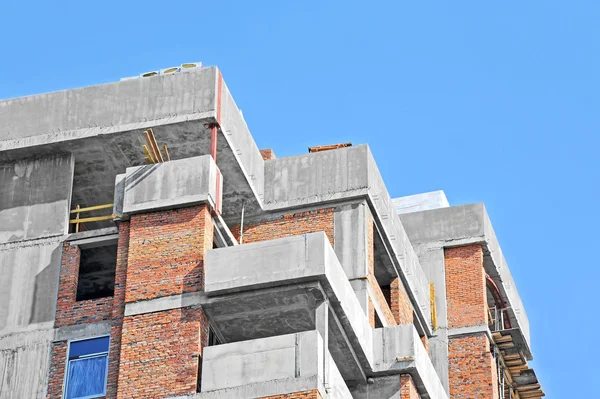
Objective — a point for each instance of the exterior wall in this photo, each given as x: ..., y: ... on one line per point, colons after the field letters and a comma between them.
x: 377, y: 293
x: 401, y: 306
x: 56, y: 374
x: 118, y: 311
x: 472, y: 372
x: 160, y: 353
x: 289, y: 225
x: 408, y: 390
x: 166, y: 252
x: 312, y: 394
x: 69, y: 311
x: 471, y: 368
x: 465, y: 286
x: 68, y: 308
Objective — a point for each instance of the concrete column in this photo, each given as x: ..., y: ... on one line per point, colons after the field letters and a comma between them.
x: 432, y: 261
x: 322, y: 326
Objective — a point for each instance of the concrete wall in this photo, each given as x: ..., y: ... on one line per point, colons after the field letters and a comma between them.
x: 78, y: 113
x: 463, y: 225
x: 34, y: 211
x: 345, y: 174
x: 271, y: 366
x: 35, y: 197
x: 167, y: 185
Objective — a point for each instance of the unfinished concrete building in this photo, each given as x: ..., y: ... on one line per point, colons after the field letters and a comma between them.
x: 207, y: 268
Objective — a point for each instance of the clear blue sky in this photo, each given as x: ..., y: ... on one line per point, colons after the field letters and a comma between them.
x: 490, y: 101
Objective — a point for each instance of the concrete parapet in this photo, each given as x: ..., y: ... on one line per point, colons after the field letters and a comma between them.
x: 167, y: 185
x: 399, y: 349
x: 464, y: 225
x: 271, y: 366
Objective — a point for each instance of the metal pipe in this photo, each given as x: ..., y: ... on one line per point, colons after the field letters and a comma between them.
x: 242, y: 223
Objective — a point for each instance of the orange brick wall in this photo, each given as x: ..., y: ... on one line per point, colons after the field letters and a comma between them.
x: 408, y: 390
x: 166, y: 252
x: 472, y: 372
x: 69, y: 311
x: 267, y: 154
x: 471, y: 368
x: 378, y: 294
x: 118, y: 311
x: 58, y: 361
x: 289, y: 225
x: 465, y: 286
x: 160, y: 353
x: 312, y: 394
x: 56, y: 374
x: 401, y: 306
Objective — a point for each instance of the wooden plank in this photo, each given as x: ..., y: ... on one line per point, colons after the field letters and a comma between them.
x: 91, y: 208
x: 155, y: 145
x: 149, y: 157
x: 529, y: 387
x: 92, y: 219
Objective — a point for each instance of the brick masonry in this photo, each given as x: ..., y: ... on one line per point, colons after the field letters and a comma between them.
x: 465, y: 286
x: 69, y: 311
x: 289, y: 225
x: 267, y: 154
x: 377, y: 295
x: 166, y: 252
x: 56, y: 374
x: 401, y: 306
x: 408, y: 390
x: 471, y: 368
x: 472, y: 372
x: 58, y: 361
x: 160, y: 353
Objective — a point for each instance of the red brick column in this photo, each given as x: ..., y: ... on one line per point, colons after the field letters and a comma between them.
x: 118, y: 311
x: 471, y: 365
x: 408, y: 390
x: 160, y: 352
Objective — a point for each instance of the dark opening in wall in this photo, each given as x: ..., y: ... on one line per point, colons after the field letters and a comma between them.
x: 97, y: 272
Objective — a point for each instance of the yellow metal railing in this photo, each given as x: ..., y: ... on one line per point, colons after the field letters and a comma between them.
x: 77, y: 221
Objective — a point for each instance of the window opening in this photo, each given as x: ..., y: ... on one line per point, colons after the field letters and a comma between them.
x: 87, y: 368
x: 97, y: 267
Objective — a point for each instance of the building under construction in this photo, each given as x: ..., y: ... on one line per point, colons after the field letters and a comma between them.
x: 149, y: 249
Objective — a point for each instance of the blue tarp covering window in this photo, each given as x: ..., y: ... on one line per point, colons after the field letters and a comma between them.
x: 87, y: 368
